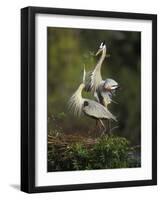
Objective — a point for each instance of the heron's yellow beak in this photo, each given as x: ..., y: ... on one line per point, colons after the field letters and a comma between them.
x: 98, y: 52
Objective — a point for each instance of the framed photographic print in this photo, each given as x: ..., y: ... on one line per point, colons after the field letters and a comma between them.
x: 88, y: 99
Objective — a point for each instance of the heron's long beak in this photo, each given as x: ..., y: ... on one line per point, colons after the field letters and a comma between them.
x: 118, y: 88
x: 115, y: 87
x: 98, y: 52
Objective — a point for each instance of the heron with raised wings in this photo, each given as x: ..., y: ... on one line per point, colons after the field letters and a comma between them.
x: 89, y: 107
x: 103, y: 90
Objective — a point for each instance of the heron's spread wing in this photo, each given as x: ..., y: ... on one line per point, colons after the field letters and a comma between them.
x: 102, y: 96
x: 96, y: 110
x: 95, y: 79
x: 87, y: 82
x: 92, y: 80
x: 106, y: 98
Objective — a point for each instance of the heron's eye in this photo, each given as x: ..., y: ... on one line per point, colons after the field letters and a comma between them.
x: 85, y: 103
x: 107, y: 87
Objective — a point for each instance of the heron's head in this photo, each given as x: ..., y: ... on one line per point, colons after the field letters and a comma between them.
x: 110, y: 85
x: 101, y: 48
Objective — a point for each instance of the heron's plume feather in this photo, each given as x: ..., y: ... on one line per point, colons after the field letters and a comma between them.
x: 76, y: 101
x: 84, y: 74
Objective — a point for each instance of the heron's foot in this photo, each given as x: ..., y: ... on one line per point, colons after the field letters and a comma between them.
x: 102, y: 134
x: 105, y: 135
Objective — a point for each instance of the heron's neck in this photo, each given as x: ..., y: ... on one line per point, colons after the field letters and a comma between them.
x: 100, y: 61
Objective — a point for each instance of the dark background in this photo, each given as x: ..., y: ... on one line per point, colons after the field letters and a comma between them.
x: 68, y: 51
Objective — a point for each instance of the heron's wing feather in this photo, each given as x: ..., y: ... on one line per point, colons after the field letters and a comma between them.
x: 88, y: 86
x: 96, y: 95
x: 93, y: 79
x: 75, y: 103
x: 96, y: 110
x: 84, y: 75
x: 106, y: 97
x: 87, y: 80
x: 102, y: 96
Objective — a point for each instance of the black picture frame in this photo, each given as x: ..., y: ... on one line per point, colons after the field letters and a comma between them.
x: 28, y: 98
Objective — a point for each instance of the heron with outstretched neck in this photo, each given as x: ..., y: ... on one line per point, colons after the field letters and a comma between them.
x: 103, y: 90
x: 89, y: 107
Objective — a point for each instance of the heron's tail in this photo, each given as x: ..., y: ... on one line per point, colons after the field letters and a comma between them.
x: 111, y: 115
x: 114, y: 118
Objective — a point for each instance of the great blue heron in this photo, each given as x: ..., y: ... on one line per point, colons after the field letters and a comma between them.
x: 103, y: 90
x: 89, y: 107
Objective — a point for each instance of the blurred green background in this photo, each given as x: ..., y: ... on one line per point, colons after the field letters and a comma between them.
x: 68, y: 51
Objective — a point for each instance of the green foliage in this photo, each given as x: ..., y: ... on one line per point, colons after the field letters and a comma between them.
x: 79, y: 156
x: 106, y: 153
x: 111, y: 153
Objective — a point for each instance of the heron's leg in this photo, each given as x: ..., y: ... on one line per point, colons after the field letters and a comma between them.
x: 102, y: 126
x: 94, y: 128
x: 99, y: 125
x: 96, y: 125
x: 109, y: 121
